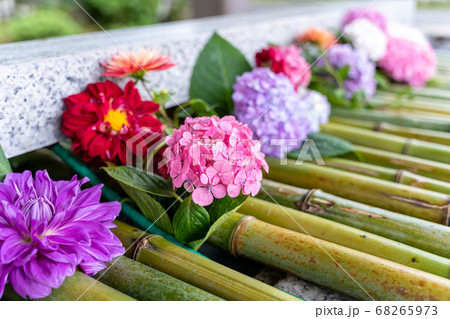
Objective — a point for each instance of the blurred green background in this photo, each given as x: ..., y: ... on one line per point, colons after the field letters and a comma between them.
x: 22, y: 20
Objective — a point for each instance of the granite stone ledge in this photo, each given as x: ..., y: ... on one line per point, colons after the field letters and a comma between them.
x: 36, y: 75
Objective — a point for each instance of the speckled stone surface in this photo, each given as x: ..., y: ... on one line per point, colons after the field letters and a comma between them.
x: 36, y: 75
x: 299, y: 287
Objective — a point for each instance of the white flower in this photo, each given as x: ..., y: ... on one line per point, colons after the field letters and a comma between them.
x: 317, y: 107
x: 407, y: 32
x: 365, y: 36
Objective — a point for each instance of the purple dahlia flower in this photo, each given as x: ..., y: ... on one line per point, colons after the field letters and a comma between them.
x: 268, y: 104
x: 361, y: 76
x: 49, y: 228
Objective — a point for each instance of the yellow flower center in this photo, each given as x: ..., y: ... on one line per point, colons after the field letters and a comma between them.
x: 116, y: 119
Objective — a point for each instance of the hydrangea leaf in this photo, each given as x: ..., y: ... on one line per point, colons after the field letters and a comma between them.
x: 327, y: 145
x: 219, y: 211
x: 191, y: 221
x: 215, y: 72
x: 225, y: 205
x: 150, y: 208
x: 382, y: 79
x: 5, y: 167
x: 196, y: 244
x: 144, y: 181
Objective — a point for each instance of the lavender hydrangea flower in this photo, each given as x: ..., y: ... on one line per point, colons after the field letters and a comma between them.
x: 361, y: 76
x: 49, y: 228
x: 268, y: 104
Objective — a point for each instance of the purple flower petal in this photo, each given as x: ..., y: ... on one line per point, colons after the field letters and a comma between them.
x: 26, y: 286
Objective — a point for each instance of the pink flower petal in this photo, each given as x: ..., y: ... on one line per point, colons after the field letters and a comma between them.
x: 219, y: 191
x: 202, y: 196
x: 234, y: 190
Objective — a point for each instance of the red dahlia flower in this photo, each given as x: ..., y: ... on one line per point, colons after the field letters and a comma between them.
x: 102, y: 118
x: 136, y: 64
x: 288, y: 61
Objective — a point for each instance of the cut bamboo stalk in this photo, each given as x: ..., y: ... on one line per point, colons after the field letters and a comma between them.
x: 145, y: 283
x: 346, y: 236
x: 389, y: 174
x: 420, y: 134
x: 389, y: 142
x: 428, y: 110
x: 357, y: 274
x: 411, y: 231
x: 402, y: 120
x: 420, y: 113
x: 407, y: 200
x: 195, y: 270
x: 78, y: 287
x: 425, y: 92
x: 423, y: 167
x: 83, y: 287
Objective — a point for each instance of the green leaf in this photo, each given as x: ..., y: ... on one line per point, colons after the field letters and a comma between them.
x: 196, y: 244
x: 5, y: 167
x: 224, y: 205
x: 343, y: 72
x: 201, y: 108
x: 190, y: 222
x: 382, y: 80
x: 144, y: 181
x: 215, y: 72
x: 219, y: 211
x: 196, y: 107
x: 327, y: 145
x: 150, y: 208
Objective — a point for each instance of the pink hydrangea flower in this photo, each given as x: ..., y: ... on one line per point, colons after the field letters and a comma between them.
x: 212, y: 157
x: 409, y: 62
x: 288, y: 61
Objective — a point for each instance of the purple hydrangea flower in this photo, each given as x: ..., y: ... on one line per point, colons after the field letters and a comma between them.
x: 372, y: 15
x: 361, y: 76
x: 268, y: 104
x: 49, y: 228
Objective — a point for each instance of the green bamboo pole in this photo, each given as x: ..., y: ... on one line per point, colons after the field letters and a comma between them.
x: 78, y: 287
x: 402, y: 120
x: 411, y: 231
x: 365, y: 277
x: 407, y: 200
x: 389, y: 174
x: 346, y: 236
x: 420, y: 113
x: 145, y: 283
x: 389, y: 142
x: 195, y: 270
x: 426, y: 92
x: 420, y: 134
x: 423, y: 167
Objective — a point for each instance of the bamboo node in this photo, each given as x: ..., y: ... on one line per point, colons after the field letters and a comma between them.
x: 406, y: 147
x: 378, y: 127
x: 233, y: 249
x: 144, y: 243
x: 399, y: 176
x: 447, y: 222
x: 303, y: 204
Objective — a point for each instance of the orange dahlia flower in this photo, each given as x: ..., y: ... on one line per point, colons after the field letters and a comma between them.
x: 323, y: 38
x: 137, y: 64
